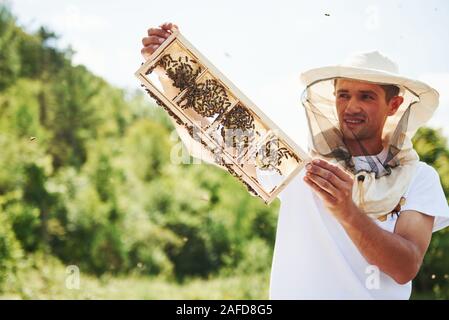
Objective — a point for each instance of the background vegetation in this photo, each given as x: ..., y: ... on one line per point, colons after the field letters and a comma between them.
x: 86, y: 180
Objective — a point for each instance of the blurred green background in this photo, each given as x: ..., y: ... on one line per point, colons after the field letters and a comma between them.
x: 86, y: 180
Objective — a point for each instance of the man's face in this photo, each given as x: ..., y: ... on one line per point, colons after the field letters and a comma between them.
x: 362, y: 109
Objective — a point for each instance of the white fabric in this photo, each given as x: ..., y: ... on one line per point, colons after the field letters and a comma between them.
x: 314, y: 258
x: 373, y: 60
x: 361, y: 164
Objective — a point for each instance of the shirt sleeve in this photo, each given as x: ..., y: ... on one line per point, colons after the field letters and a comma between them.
x: 426, y: 195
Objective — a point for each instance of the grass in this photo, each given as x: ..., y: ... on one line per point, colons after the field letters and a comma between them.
x: 47, y: 279
x: 44, y: 277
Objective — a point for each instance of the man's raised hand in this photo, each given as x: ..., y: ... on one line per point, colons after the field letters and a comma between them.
x: 156, y: 36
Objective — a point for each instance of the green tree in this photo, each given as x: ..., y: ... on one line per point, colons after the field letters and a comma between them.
x: 433, y: 278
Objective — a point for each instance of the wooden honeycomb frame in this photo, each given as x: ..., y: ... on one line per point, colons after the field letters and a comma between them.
x: 208, y: 105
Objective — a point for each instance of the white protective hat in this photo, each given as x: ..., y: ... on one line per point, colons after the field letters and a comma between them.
x: 375, y: 67
x: 379, y: 191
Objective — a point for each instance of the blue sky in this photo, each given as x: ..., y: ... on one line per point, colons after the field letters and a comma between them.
x: 262, y: 46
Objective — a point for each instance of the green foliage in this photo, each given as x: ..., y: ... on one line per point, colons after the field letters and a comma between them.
x: 9, y: 56
x: 87, y: 175
x: 10, y: 251
x: 433, y: 278
x: 43, y: 277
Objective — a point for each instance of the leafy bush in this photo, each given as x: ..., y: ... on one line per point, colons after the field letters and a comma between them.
x: 10, y: 251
